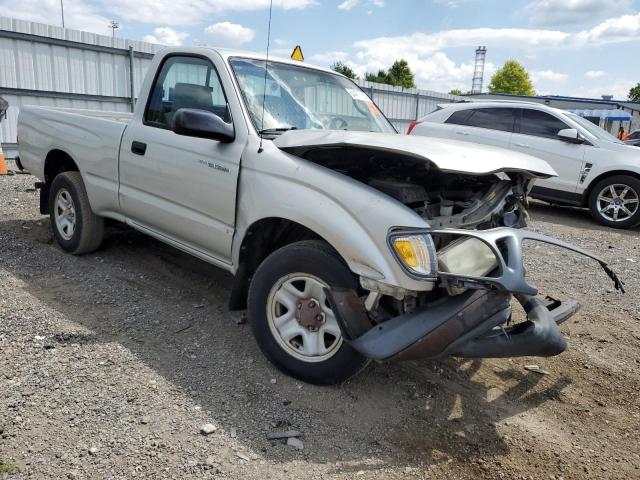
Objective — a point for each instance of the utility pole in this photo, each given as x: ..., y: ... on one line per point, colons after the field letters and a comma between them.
x: 62, y: 12
x: 113, y: 25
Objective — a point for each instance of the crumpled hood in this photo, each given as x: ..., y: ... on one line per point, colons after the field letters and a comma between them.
x: 447, y: 155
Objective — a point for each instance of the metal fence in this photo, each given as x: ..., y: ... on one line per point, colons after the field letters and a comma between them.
x: 51, y: 66
x: 401, y: 105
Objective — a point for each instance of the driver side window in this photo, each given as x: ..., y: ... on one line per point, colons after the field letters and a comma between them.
x: 185, y: 82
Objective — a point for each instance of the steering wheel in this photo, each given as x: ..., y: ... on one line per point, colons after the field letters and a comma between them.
x: 338, y: 123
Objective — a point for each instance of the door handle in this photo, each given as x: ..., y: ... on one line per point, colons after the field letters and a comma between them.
x: 522, y: 145
x: 139, y: 148
x: 462, y: 133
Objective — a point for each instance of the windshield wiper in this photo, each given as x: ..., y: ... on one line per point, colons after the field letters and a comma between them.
x: 275, y: 131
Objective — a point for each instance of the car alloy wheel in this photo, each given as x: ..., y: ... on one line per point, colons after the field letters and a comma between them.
x: 617, y: 202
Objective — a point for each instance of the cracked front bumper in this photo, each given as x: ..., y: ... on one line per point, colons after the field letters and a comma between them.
x: 475, y: 323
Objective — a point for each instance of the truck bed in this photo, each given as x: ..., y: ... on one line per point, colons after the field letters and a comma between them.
x: 90, y: 137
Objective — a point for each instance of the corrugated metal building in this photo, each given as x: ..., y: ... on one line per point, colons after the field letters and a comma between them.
x: 47, y: 65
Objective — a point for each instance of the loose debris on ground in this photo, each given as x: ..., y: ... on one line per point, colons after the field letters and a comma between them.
x: 112, y: 363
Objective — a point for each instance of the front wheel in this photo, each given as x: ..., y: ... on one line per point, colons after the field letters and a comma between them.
x: 291, y: 318
x: 614, y: 201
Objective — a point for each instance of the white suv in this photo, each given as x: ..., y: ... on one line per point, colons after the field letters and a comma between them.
x: 595, y: 169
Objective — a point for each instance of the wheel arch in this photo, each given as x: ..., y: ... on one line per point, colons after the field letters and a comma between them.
x: 56, y: 161
x: 261, y: 238
x: 602, y: 176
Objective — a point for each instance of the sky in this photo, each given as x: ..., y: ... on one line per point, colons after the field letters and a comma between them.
x: 584, y: 48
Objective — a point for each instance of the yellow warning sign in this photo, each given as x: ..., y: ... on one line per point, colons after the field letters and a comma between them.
x: 297, y: 54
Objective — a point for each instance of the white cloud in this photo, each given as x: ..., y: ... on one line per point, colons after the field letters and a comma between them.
x: 173, y: 12
x: 594, y: 74
x: 328, y: 58
x: 435, y: 70
x: 387, y: 49
x: 613, y: 30
x: 619, y: 90
x: 77, y: 14
x: 348, y: 4
x: 166, y: 36
x: 451, y: 3
x: 548, y: 76
x: 227, y: 33
x: 563, y: 12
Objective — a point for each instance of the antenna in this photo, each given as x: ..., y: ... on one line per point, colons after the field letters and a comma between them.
x: 266, y: 66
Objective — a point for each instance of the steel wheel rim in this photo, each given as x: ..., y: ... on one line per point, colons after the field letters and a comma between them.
x: 297, y: 340
x: 64, y: 214
x: 617, y: 202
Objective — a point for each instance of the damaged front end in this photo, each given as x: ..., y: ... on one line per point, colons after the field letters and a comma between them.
x: 469, y: 258
x: 478, y: 274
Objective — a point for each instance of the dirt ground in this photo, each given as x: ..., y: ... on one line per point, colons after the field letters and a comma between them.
x: 111, y: 362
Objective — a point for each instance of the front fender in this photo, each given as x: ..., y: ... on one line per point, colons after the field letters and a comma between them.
x: 352, y: 217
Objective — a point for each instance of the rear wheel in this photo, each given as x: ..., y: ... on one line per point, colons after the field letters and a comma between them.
x: 615, y: 201
x: 75, y: 227
x: 291, y: 318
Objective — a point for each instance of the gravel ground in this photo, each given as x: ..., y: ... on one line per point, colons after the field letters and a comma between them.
x: 111, y: 363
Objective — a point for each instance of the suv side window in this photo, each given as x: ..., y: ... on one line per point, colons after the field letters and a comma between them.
x: 185, y: 82
x: 540, y: 124
x: 634, y: 135
x: 492, y: 118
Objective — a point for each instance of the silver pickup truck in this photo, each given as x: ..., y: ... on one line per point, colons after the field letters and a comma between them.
x: 347, y: 241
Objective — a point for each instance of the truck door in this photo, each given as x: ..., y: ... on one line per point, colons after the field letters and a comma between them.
x: 180, y: 187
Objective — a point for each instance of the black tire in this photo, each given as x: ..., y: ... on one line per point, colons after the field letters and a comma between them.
x: 314, y: 258
x: 628, y: 221
x: 89, y: 228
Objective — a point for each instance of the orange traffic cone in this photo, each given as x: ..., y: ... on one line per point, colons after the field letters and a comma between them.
x: 3, y: 163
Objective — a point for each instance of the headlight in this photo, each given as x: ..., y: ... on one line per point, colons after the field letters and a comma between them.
x: 415, y: 253
x: 467, y: 256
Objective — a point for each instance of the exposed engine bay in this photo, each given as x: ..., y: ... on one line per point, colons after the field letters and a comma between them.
x: 444, y: 199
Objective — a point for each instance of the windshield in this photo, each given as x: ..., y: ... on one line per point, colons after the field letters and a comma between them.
x: 303, y: 98
x: 592, y: 128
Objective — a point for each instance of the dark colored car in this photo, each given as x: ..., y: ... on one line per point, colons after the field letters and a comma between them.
x: 633, y: 139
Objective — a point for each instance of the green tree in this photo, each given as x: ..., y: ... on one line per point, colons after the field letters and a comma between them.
x: 380, y: 77
x: 512, y: 78
x: 345, y: 70
x: 634, y: 93
x: 399, y: 75
x: 455, y: 91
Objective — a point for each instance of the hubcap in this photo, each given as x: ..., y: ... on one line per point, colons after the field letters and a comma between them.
x: 300, y: 318
x: 617, y: 202
x: 64, y: 214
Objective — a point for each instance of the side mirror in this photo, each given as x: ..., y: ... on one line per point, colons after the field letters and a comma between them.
x: 570, y: 135
x: 200, y: 123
